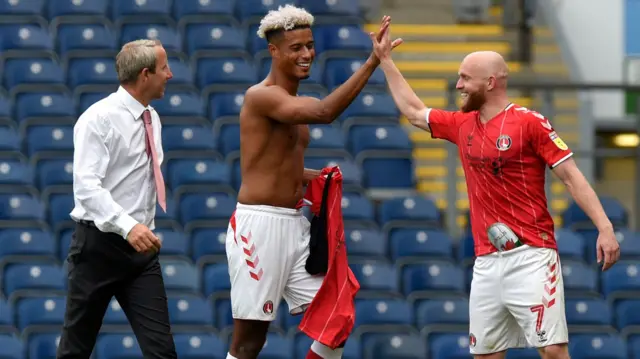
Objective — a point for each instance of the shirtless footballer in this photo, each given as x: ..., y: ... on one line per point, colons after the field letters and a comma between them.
x: 517, y: 294
x: 267, y: 223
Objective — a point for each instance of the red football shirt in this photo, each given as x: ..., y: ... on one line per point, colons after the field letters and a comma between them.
x: 504, y: 162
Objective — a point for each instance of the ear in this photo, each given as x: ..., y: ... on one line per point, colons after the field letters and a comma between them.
x: 491, y: 83
x: 273, y: 49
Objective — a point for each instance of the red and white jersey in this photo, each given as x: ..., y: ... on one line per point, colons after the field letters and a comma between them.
x: 504, y: 162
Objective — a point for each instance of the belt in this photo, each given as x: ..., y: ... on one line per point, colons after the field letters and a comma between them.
x: 87, y: 223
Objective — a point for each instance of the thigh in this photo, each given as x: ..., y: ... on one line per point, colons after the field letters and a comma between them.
x: 535, y: 296
x: 301, y: 286
x: 491, y: 328
x: 259, y: 265
x: 144, y: 301
x: 90, y: 288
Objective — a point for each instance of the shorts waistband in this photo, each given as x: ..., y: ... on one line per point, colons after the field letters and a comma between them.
x: 510, y: 252
x: 261, y: 208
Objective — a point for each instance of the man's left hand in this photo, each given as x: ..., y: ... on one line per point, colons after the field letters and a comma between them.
x: 607, y: 249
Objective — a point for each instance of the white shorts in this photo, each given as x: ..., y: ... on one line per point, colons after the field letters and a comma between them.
x: 267, y: 248
x: 517, y: 301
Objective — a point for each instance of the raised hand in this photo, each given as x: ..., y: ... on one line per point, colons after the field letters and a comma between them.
x: 382, y: 44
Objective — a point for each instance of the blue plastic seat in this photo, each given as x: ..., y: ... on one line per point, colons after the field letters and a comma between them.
x: 209, y: 243
x: 25, y: 37
x: 54, y: 172
x: 338, y: 70
x: 598, y: 347
x: 170, y: 38
x: 83, y: 8
x: 60, y: 205
x: 523, y: 353
x: 626, y: 313
x: 376, y: 276
x: 182, y: 73
x: 173, y: 243
x: 180, y: 104
x: 257, y: 8
x: 180, y: 275
x: 225, y: 104
x: 349, y: 39
x: 214, y: 37
x: 370, y: 137
x: 437, y: 312
x: 629, y: 242
x: 27, y: 242
x: 16, y: 173
x: 570, y: 244
x: 20, y: 207
x: 117, y: 346
x: 409, y: 242
x: 433, y: 277
x: 65, y: 242
x: 229, y: 139
x: 7, y: 315
x: 219, y: 9
x: 356, y: 208
x: 579, y: 277
x: 115, y: 314
x: 372, y: 105
x: 574, y: 216
x: 42, y: 139
x: 87, y: 99
x: 43, y: 345
x: 397, y: 345
x: 21, y: 8
x: 190, y: 310
x: 91, y: 71
x: 276, y: 347
x: 40, y: 311
x: 622, y: 277
x: 223, y: 313
x: 326, y: 137
x: 408, y: 210
x: 388, y: 172
x: 383, y: 312
x: 130, y: 8
x: 6, y: 110
x: 230, y: 70
x: 365, y: 243
x: 199, y: 345
x: 195, y: 172
x: 336, y: 8
x: 11, y: 347
x: 449, y: 346
x: 588, y: 311
x: 32, y: 277
x: 84, y: 37
x: 216, y: 279
x: 44, y: 105
x: 203, y: 207
x: 32, y: 71
x: 198, y: 140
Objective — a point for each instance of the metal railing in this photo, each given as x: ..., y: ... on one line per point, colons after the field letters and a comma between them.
x: 585, y: 150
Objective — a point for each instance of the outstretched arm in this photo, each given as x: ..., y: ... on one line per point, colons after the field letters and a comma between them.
x: 403, y: 95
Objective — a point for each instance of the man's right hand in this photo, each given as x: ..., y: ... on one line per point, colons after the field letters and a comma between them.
x: 382, y: 44
x: 142, y: 239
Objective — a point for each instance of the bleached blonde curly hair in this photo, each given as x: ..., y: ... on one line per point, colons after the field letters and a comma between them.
x: 285, y: 18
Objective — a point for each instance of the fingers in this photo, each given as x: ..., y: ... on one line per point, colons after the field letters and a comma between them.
x: 396, y: 43
x: 599, y: 252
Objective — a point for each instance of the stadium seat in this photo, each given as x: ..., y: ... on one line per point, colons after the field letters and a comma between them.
x: 54, y: 172
x: 383, y: 312
x: 21, y: 8
x: 27, y: 242
x: 115, y: 315
x: 598, y: 347
x: 574, y: 216
x: 466, y: 251
x: 6, y: 111
x: 365, y: 243
x: 225, y: 71
x: 449, y: 346
x: 188, y: 141
x: 20, y: 207
x: 170, y: 38
x: 74, y: 8
x: 332, y: 8
x: 432, y: 278
x: 225, y: 105
x: 87, y: 99
x: 15, y: 173
x: 368, y: 137
x: 622, y: 277
x: 407, y: 346
x: 410, y: 210
x: 65, y: 242
x: 388, y: 171
x: 32, y: 71
x: 372, y: 105
x: 91, y: 71
x: 357, y: 210
x: 76, y: 38
x: 173, y: 243
x: 44, y: 105
x: 626, y: 313
x: 33, y: 277
x: 276, y: 347
x: 7, y: 316
x: 202, y: 207
x: 629, y: 244
x: 43, y: 345
x: 339, y: 41
x: 570, y: 244
x: 218, y: 10
x: 224, y: 316
x: 179, y: 104
x: 588, y: 312
x: 182, y: 74
x: 60, y: 205
x: 199, y: 345
x: 117, y: 346
x: 190, y: 311
x: 216, y: 280
x: 221, y: 38
x: 152, y: 10
x: 11, y: 347
x: 40, y: 311
x: 579, y: 278
x: 180, y: 275
x: 209, y: 244
x: 187, y: 174
x: 417, y: 243
x: 46, y: 140
x: 248, y: 9
x: 326, y: 137
x: 376, y: 276
x: 26, y: 37
x: 438, y: 313
x: 523, y: 353
x: 338, y: 70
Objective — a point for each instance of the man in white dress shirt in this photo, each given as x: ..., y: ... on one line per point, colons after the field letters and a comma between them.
x: 116, y: 180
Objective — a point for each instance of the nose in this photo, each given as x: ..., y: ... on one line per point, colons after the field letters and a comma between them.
x: 306, y: 54
x: 170, y: 75
x: 459, y: 84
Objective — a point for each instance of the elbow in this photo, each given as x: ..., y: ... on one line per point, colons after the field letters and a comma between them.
x: 324, y: 116
x: 415, y: 116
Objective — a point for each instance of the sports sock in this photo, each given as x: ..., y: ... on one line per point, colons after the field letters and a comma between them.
x: 321, y: 351
x: 229, y: 356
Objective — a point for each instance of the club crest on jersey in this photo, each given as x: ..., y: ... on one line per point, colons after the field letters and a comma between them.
x: 503, y: 143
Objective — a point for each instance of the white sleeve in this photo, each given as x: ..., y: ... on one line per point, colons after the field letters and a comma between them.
x: 90, y: 162
x: 427, y: 113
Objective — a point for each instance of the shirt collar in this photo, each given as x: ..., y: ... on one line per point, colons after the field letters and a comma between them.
x: 135, y: 108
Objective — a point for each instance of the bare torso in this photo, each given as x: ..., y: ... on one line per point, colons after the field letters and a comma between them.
x: 271, y: 159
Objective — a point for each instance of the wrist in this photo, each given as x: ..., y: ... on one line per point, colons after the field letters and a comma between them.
x: 605, y: 227
x: 373, y: 61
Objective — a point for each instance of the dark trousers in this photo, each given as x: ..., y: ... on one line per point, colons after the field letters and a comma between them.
x: 101, y: 266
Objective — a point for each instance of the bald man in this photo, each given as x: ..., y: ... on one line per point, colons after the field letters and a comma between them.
x: 517, y: 294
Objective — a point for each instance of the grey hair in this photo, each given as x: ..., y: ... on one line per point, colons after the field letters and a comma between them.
x: 134, y: 57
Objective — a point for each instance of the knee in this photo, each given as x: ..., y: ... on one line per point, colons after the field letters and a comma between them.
x: 555, y: 351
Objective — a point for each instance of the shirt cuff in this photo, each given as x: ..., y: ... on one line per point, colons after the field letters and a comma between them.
x: 125, y: 223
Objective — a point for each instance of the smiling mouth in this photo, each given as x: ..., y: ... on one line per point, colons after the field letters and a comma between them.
x: 304, y: 65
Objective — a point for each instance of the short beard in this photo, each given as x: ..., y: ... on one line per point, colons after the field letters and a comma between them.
x: 475, y: 101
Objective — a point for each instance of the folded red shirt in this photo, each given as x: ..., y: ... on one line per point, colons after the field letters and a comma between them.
x: 330, y: 317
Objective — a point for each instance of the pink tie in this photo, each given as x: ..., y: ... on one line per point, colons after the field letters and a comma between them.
x: 151, y: 149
